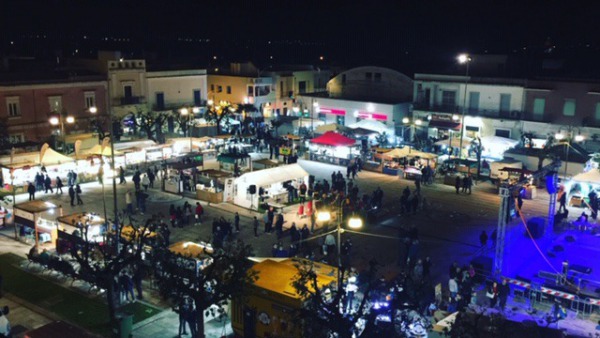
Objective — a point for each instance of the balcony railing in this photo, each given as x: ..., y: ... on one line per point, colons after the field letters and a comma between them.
x: 513, y: 114
x: 130, y: 100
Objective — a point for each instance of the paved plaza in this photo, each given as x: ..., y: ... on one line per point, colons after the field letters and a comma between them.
x: 448, y: 225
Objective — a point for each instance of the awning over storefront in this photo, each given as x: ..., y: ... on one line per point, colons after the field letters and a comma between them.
x: 331, y: 138
x: 441, y: 124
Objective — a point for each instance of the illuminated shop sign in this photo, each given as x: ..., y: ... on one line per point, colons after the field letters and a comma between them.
x: 374, y: 116
x: 332, y: 111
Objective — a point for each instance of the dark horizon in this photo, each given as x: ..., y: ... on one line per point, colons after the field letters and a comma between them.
x: 406, y: 35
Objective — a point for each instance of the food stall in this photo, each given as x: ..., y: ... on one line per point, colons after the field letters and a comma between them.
x: 397, y: 161
x: 34, y: 222
x: 89, y: 162
x: 158, y: 153
x: 272, y: 301
x: 495, y: 146
x: 235, y: 162
x: 267, y: 186
x: 82, y: 222
x: 512, y: 176
x: 192, y: 257
x: 579, y: 187
x: 334, y: 148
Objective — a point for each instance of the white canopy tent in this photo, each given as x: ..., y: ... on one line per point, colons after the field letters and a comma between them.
x: 97, y: 150
x: 373, y: 125
x: 495, y: 146
x: 591, y: 177
x: 271, y: 180
x: 52, y: 157
x: 455, y: 142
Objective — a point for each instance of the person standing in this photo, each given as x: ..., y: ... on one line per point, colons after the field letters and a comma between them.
x: 129, y: 202
x: 453, y: 287
x: 31, y: 191
x: 199, y: 212
x: 72, y: 195
x: 48, y: 184
x: 4, y: 323
x: 492, y: 294
x: 78, y: 194
x: 457, y: 184
x: 469, y: 183
x: 59, y: 186
x: 503, y: 292
x: 236, y: 222
x: 483, y: 238
x: 562, y: 199
x: 255, y: 223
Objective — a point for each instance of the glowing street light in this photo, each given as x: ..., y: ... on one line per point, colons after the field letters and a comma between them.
x: 93, y: 110
x: 463, y: 58
x: 70, y: 119
x: 405, y: 120
x: 355, y: 222
x: 184, y: 111
x: 579, y: 138
x: 559, y: 136
x: 54, y: 121
x: 211, y: 102
x: 323, y: 216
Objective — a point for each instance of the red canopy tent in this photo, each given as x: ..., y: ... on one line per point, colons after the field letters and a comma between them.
x: 331, y: 138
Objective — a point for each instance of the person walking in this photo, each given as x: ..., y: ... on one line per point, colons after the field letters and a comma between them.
x: 72, y: 195
x: 59, y: 186
x: 31, y: 191
x: 183, y: 311
x: 78, y: 194
x: 145, y: 182
x: 457, y: 184
x: 121, y: 175
x: 469, y: 184
x: 562, y: 199
x: 465, y: 183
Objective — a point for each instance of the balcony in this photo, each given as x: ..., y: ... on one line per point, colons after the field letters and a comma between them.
x: 493, y: 113
x: 124, y: 101
x: 178, y: 105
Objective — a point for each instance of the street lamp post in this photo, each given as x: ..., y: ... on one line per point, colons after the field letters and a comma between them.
x: 567, y: 142
x: 59, y: 121
x: 354, y: 223
x: 464, y: 59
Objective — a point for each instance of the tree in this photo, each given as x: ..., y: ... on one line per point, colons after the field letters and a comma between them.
x: 276, y: 123
x: 546, y: 151
x: 102, y: 264
x: 151, y: 123
x: 183, y: 121
x: 218, y: 112
x: 225, y: 276
x: 324, y: 314
x: 478, y: 148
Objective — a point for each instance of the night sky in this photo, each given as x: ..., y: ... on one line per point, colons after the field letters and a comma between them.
x: 347, y: 33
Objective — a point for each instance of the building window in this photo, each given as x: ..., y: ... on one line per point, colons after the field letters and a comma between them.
x: 448, y: 98
x: 55, y: 103
x: 504, y: 103
x: 539, y: 105
x: 569, y: 107
x: 377, y: 77
x: 322, y: 117
x: 302, y: 87
x: 90, y: 99
x: 228, y: 89
x: 197, y: 97
x: 13, y: 107
x: 250, y: 91
x: 212, y: 88
x: 219, y: 89
x: 369, y: 76
x: 16, y: 138
x: 597, y: 111
x: 502, y: 133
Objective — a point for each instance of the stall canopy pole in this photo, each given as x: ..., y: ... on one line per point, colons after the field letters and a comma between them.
x: 114, y: 179
x: 35, y: 221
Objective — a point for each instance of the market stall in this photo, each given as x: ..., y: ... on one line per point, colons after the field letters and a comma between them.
x: 235, y: 162
x: 333, y: 148
x: 267, y: 186
x: 395, y: 161
x: 579, y: 187
x: 181, y: 176
x: 190, y: 256
x: 158, y: 153
x: 374, y: 126
x: 83, y: 224
x: 451, y: 145
x: 34, y: 222
x: 495, y: 146
x: 20, y: 169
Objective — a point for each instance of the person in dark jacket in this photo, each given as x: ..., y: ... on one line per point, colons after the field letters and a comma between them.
x: 48, y: 184
x: 72, y: 195
x: 59, y: 185
x: 31, y: 191
x: 457, y: 184
x: 503, y: 292
x: 78, y: 194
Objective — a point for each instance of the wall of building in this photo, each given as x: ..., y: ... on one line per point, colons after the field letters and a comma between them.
x: 585, y: 94
x: 35, y: 110
x: 123, y: 73
x: 373, y: 83
x: 177, y: 86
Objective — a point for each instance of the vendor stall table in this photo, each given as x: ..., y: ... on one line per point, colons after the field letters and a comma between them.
x: 30, y: 221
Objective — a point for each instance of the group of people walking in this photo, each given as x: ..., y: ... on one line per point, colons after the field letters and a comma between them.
x: 43, y: 182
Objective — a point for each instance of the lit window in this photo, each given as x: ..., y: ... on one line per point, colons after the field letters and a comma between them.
x: 539, y: 104
x: 90, y: 99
